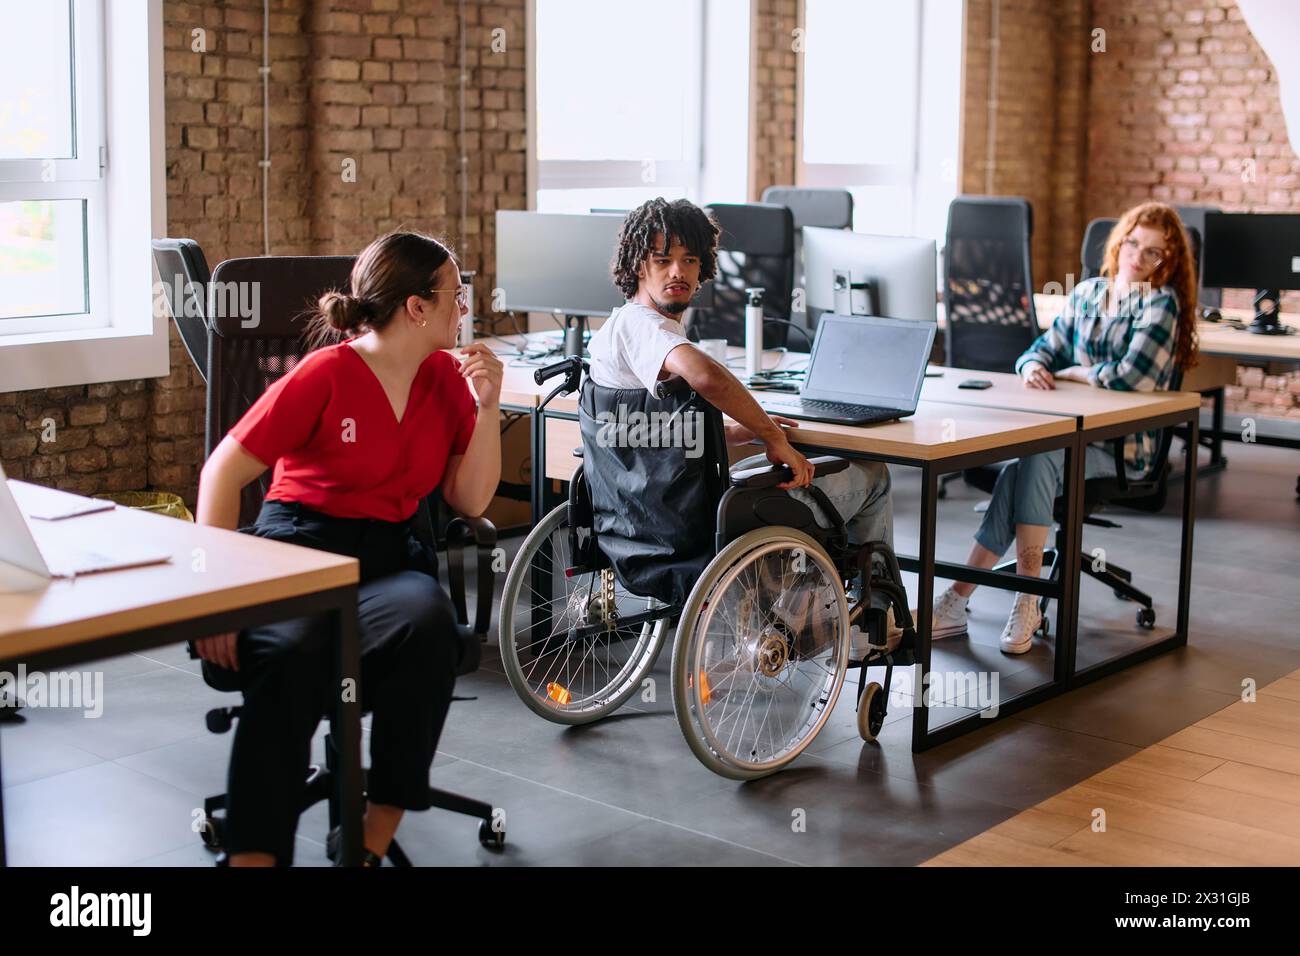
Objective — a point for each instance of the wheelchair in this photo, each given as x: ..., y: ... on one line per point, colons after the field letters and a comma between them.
x: 762, y: 644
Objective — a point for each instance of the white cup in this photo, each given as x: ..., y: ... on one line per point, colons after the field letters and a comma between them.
x: 715, y: 349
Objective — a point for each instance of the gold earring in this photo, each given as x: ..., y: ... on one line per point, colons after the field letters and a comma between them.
x: 424, y: 323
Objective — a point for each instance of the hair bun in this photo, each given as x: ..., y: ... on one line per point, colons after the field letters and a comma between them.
x: 343, y: 312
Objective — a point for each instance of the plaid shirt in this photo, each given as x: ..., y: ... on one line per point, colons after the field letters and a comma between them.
x: 1131, y: 351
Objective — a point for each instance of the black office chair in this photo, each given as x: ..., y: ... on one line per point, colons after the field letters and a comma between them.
x: 1193, y: 218
x: 1093, y: 249
x: 1148, y: 492
x: 988, y: 293
x: 245, y: 355
x: 183, y: 269
x: 829, y: 208
x: 755, y: 248
x: 988, y: 286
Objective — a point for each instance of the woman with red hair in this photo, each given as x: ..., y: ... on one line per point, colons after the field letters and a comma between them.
x: 1127, y: 329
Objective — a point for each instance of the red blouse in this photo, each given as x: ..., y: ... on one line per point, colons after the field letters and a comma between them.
x: 328, y: 428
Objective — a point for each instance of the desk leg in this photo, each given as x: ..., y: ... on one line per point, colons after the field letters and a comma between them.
x: 3, y: 862
x: 924, y: 606
x: 1189, y: 522
x: 1217, y: 462
x: 537, y: 436
x: 345, y: 728
x: 1070, y: 558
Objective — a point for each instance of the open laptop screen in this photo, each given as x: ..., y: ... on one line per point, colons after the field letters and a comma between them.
x: 869, y: 360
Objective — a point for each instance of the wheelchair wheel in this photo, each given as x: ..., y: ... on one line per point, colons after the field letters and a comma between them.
x: 567, y: 678
x: 762, y: 649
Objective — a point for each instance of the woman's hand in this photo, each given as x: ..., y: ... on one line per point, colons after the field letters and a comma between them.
x: 483, y: 370
x: 221, y: 650
x: 738, y: 434
x: 1036, y: 375
x: 1075, y: 373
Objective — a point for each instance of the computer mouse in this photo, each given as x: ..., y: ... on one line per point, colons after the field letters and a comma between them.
x: 1210, y: 314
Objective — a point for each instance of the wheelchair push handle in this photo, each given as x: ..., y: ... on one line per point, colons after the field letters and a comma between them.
x: 548, y: 372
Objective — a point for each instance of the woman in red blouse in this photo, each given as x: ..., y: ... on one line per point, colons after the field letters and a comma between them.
x: 357, y: 434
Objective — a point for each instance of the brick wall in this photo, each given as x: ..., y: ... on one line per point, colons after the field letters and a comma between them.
x: 1033, y: 104
x: 375, y: 81
x: 774, y: 73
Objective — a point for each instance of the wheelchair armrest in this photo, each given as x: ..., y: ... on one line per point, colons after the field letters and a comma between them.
x: 767, y: 476
x: 461, y: 531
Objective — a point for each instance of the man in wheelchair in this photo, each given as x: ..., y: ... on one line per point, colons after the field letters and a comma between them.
x: 775, y: 578
x: 666, y: 252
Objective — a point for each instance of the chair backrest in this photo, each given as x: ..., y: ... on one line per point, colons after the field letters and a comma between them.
x: 755, y: 248
x: 988, y: 282
x: 259, y: 309
x: 1193, y: 218
x: 659, y: 456
x: 183, y: 271
x: 829, y: 208
x: 1094, y: 246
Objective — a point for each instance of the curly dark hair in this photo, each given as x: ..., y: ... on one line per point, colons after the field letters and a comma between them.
x: 681, y: 220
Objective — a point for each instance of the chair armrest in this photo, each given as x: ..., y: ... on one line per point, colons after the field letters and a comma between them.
x: 462, y: 531
x: 766, y: 476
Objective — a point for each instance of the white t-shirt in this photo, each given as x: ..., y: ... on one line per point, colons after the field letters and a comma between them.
x: 628, y: 351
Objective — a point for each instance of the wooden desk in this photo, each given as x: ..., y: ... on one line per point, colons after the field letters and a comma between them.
x: 1094, y: 407
x: 217, y: 581
x: 939, y: 438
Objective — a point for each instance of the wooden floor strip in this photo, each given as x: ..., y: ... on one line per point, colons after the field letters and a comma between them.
x: 1222, y: 792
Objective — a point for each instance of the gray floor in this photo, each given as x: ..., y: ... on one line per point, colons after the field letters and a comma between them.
x: 124, y: 788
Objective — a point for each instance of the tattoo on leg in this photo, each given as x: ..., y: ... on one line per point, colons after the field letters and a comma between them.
x: 1029, y: 559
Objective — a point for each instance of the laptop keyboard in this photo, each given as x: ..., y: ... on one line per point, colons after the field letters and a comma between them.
x: 848, y: 409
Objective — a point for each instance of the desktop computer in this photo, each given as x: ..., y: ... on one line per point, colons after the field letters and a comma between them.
x: 851, y: 273
x: 557, y: 263
x: 1259, y: 251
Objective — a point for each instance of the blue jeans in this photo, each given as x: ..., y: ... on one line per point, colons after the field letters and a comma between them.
x: 1027, y: 489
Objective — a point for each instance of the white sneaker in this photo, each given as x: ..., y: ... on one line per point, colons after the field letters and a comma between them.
x: 1018, y: 636
x: 949, y: 617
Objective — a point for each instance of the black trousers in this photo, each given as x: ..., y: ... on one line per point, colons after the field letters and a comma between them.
x: 286, y: 672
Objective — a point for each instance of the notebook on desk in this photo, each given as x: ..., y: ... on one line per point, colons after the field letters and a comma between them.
x: 862, y: 370
x: 18, y: 547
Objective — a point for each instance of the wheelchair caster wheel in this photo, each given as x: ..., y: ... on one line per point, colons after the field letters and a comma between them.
x: 211, y: 832
x: 490, y: 838
x: 871, y: 712
x: 1146, y: 618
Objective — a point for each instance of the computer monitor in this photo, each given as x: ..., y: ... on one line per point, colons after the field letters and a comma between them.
x: 1259, y: 251
x: 851, y: 273
x: 557, y: 262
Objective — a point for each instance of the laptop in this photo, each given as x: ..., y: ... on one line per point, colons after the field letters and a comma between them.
x: 863, y: 369
x: 18, y: 547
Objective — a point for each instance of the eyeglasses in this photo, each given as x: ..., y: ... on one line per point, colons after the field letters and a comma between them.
x: 462, y: 294
x: 1150, y: 255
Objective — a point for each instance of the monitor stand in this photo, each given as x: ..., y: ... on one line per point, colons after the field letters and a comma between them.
x: 575, y: 330
x: 1267, y: 318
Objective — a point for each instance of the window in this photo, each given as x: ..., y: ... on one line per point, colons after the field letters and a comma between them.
x: 633, y: 102
x: 880, y: 99
x: 81, y: 192
x: 52, y: 241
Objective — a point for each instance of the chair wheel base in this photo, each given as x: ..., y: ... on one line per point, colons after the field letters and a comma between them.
x: 1146, y: 618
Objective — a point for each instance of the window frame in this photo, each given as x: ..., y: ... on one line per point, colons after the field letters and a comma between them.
x: 119, y: 142
x: 686, y: 174
x: 909, y: 175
